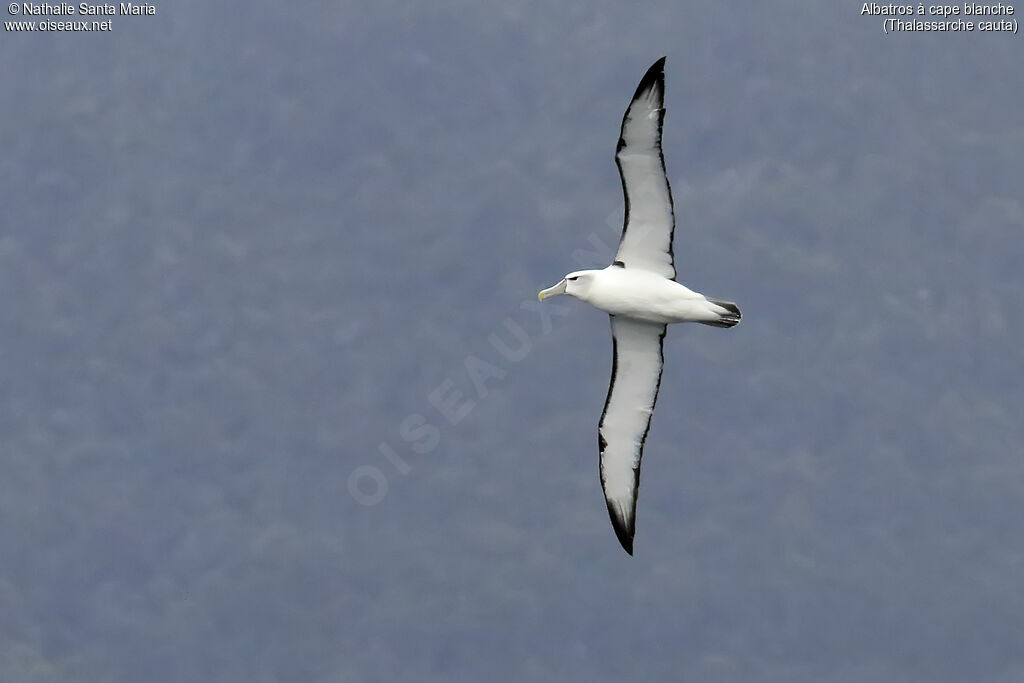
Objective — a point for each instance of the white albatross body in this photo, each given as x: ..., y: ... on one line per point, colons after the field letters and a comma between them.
x: 640, y: 294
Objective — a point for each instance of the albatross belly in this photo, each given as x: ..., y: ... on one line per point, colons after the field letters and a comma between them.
x: 648, y: 296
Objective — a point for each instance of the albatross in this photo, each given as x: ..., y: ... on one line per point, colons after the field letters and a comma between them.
x: 640, y: 293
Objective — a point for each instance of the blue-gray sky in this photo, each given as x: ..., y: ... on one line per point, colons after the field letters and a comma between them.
x: 242, y: 247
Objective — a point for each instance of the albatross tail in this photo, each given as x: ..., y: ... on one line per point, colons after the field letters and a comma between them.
x: 728, y: 316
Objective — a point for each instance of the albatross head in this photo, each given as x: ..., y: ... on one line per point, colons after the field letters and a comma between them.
x: 574, y: 284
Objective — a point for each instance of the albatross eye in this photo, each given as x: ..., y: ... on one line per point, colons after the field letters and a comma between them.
x: 571, y: 278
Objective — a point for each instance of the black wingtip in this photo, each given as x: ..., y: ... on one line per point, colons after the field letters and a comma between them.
x: 657, y: 70
x: 624, y: 530
x: 654, y: 77
x: 626, y: 541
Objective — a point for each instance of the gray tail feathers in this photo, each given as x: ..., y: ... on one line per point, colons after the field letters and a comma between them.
x: 729, y: 318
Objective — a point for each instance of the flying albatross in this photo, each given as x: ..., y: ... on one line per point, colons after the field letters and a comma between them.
x: 641, y: 296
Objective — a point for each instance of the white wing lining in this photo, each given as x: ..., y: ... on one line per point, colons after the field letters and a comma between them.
x: 649, y: 222
x: 637, y: 360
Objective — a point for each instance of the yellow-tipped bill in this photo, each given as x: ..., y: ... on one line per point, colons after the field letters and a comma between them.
x: 551, y: 291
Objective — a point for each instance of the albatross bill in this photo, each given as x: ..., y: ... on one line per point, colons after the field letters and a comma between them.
x: 551, y: 291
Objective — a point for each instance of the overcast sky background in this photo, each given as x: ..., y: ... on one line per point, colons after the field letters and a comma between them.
x: 242, y: 246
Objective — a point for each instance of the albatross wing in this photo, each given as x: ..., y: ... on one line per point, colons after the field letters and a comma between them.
x: 636, y: 374
x: 646, y: 240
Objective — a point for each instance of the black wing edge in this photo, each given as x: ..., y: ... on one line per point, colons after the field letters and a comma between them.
x: 654, y: 78
x: 625, y: 527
